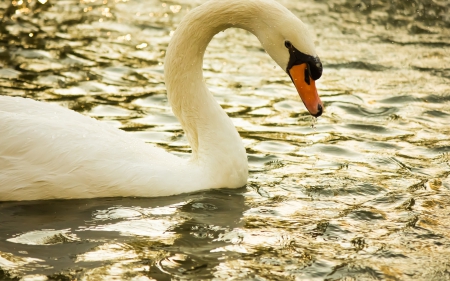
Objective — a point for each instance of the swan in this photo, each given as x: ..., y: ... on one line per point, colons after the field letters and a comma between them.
x: 51, y: 152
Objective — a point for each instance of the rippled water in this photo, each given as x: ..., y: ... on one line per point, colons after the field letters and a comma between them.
x: 362, y: 195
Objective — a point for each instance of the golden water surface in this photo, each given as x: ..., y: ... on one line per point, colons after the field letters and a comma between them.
x: 363, y: 194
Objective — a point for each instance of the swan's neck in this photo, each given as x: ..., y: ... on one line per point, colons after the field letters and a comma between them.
x: 210, y: 132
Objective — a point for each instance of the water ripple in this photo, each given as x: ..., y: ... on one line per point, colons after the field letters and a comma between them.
x: 361, y: 194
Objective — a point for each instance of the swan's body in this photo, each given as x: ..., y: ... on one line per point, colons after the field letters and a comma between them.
x: 48, y: 152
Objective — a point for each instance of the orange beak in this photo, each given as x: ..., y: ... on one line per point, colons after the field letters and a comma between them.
x: 307, y: 91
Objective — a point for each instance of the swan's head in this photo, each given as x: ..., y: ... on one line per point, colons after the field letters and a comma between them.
x: 291, y: 45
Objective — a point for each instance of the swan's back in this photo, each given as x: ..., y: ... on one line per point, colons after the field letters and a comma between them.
x: 52, y: 152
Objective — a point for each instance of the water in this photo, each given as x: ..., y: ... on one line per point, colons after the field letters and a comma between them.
x: 362, y: 194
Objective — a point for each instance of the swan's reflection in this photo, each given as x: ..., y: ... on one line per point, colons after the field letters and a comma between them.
x: 156, y: 238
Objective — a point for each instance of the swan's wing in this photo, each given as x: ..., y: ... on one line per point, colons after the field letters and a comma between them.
x: 46, y: 149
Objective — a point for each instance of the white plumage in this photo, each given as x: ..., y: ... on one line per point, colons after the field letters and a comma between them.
x: 47, y: 151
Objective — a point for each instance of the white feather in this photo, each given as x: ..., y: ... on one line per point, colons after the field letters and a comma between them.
x: 47, y: 151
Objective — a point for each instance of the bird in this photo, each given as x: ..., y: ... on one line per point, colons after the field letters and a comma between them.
x: 51, y: 152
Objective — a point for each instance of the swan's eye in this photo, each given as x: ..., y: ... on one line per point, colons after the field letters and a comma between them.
x: 287, y: 44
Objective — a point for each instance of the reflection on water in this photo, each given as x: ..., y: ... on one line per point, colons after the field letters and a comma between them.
x: 155, y: 238
x: 362, y: 195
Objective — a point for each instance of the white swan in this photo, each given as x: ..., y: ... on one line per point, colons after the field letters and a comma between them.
x: 48, y: 152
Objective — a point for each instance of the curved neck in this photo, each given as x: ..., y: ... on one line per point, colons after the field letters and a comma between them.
x: 206, y: 125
